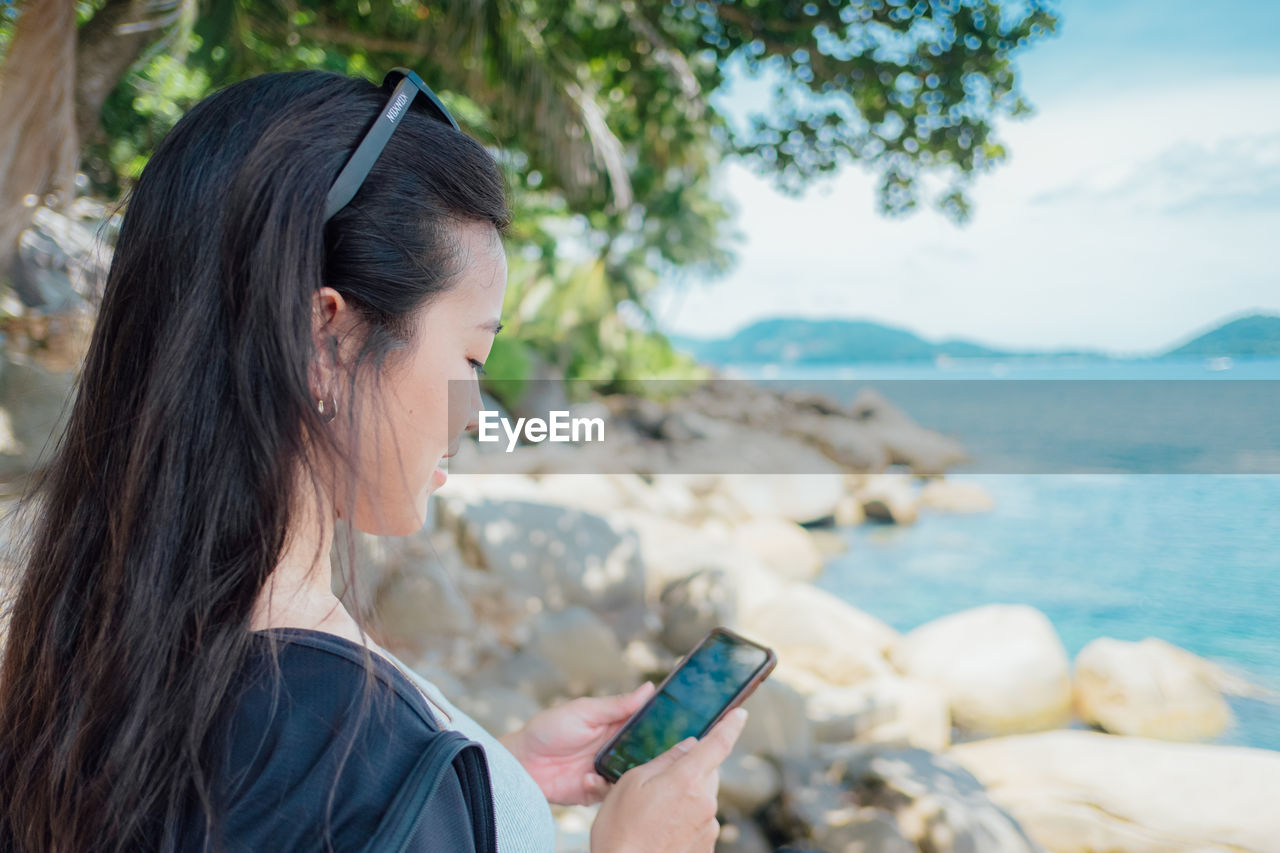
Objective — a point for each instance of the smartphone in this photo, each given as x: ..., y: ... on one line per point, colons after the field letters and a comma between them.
x: 713, y: 679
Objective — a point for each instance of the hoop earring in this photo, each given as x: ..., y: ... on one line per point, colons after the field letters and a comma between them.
x: 333, y: 409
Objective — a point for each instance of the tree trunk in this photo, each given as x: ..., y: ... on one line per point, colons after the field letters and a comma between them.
x: 104, y: 55
x: 39, y: 152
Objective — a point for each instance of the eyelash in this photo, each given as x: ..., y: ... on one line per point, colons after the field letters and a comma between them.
x: 478, y: 366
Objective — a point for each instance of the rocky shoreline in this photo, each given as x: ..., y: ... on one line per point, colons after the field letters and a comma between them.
x: 969, y: 733
x: 529, y: 585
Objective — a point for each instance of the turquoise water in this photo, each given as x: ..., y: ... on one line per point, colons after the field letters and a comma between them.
x: 1192, y: 559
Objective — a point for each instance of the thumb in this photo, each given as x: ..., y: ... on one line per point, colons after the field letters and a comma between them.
x: 637, y: 697
x: 665, y: 759
x: 612, y: 709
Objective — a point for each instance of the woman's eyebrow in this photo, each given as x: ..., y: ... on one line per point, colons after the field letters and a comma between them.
x: 492, y: 326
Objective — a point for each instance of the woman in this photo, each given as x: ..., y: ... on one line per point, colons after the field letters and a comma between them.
x: 308, y: 274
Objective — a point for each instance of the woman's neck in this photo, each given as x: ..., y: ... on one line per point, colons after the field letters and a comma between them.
x: 299, y: 591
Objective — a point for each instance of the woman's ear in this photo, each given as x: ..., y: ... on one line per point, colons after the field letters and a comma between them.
x: 330, y: 317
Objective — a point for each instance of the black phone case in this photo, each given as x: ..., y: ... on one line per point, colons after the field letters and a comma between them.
x: 737, y: 699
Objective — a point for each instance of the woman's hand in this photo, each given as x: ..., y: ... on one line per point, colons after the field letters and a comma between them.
x: 558, y: 746
x: 669, y: 804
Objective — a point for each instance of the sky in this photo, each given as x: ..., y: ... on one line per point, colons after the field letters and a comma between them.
x: 1140, y: 204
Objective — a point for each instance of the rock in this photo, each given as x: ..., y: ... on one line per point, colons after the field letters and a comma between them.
x: 690, y: 426
x: 935, y: 802
x: 830, y: 543
x: 862, y: 830
x: 1078, y: 791
x: 583, y: 650
x: 776, y: 723
x: 884, y: 709
x: 667, y: 495
x: 840, y: 438
x: 559, y: 555
x: 417, y: 596
x: 748, y: 781
x: 951, y: 496
x: 35, y: 403
x: 418, y: 603
x: 1002, y: 668
x: 888, y: 499
x: 739, y: 834
x: 812, y: 629
x: 801, y: 497
x: 595, y: 493
x: 849, y: 512
x: 810, y: 800
x: 694, y: 605
x: 500, y: 710
x: 907, y: 443
x: 670, y: 551
x: 650, y: 659
x: 783, y: 546
x: 528, y: 673
x: 1150, y: 688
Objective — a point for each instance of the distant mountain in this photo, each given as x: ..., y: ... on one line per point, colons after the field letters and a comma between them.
x: 793, y: 339
x: 1255, y: 335
x: 800, y: 340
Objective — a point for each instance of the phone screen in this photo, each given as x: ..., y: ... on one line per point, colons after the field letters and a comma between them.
x: 688, y: 703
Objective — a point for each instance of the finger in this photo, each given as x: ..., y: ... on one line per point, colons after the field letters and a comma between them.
x: 716, y: 745
x: 639, y: 696
x: 611, y: 709
x: 595, y: 786
x: 665, y: 759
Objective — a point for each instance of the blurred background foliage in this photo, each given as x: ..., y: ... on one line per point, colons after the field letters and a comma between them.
x: 602, y: 116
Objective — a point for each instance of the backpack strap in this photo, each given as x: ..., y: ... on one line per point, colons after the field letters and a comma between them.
x: 444, y: 804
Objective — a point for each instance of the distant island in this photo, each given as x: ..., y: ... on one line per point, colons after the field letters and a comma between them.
x: 799, y: 340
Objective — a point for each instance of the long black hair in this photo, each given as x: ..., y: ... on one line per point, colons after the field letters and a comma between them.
x: 165, y: 502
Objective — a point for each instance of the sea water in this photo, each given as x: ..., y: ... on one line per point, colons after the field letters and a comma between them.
x: 1193, y: 559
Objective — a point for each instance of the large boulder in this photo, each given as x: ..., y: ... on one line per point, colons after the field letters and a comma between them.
x: 1149, y: 688
x: 748, y: 781
x: 559, y: 555
x: 671, y: 551
x: 1002, y: 668
x: 876, y: 799
x: 776, y: 723
x: 583, y: 650
x: 888, y: 498
x: 1079, y: 791
x: 813, y: 630
x: 937, y: 804
x: 664, y: 494
x: 694, y: 605
x: 803, y: 497
x: 594, y: 493
x: 885, y: 709
x: 839, y: 437
x: 907, y: 443
x: 955, y: 496
x: 35, y: 403
x: 499, y: 710
x: 783, y: 546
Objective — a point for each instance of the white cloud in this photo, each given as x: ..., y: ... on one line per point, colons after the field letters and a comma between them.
x: 1117, y: 224
x: 1230, y: 176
